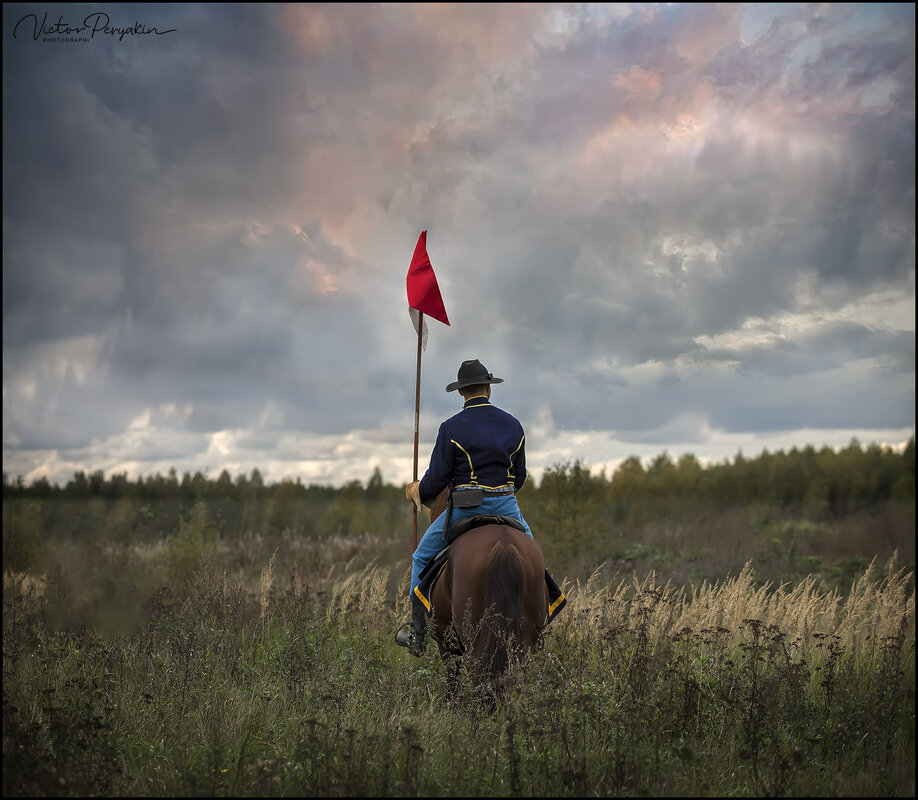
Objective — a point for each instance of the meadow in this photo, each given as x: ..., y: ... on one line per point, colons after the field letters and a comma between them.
x: 193, y: 659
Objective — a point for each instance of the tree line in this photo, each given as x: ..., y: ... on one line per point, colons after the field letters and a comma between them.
x: 817, y: 484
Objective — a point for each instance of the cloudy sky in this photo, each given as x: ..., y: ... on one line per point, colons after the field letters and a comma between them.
x: 669, y: 227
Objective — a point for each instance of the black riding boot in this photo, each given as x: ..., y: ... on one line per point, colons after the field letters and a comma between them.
x: 411, y: 635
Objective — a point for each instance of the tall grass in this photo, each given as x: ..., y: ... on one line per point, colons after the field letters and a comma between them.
x: 292, y: 685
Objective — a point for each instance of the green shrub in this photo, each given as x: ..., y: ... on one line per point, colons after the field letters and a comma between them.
x: 22, y: 545
x: 194, y: 537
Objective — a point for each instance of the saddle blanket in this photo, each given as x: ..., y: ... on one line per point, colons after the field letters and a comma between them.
x: 429, y: 575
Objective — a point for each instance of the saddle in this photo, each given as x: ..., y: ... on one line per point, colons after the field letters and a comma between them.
x: 479, y: 520
x: 429, y: 575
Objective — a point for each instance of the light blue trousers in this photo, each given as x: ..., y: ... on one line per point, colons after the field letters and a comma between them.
x: 432, y: 542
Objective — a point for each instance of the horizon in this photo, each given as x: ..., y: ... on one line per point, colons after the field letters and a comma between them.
x: 593, y: 470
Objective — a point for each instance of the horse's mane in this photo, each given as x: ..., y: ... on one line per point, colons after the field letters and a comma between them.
x: 438, y: 505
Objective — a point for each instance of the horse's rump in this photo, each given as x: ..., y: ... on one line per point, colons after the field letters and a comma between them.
x: 499, y: 598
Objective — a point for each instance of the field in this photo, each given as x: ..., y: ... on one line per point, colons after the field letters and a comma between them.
x: 740, y: 631
x: 290, y: 684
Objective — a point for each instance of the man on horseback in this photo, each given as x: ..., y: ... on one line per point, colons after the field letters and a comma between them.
x: 479, y: 453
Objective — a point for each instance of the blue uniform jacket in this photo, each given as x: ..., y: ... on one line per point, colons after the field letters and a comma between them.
x: 480, y: 446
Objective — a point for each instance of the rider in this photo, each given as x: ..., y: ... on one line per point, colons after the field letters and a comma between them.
x: 482, y: 448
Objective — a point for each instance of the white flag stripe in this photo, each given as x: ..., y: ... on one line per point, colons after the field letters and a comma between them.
x: 415, y: 315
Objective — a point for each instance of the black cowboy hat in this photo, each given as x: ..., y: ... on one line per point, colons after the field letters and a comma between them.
x: 472, y: 373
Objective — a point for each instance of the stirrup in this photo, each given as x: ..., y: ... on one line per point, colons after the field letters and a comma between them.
x: 405, y: 637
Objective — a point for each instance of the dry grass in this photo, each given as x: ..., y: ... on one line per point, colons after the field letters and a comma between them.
x: 283, y: 679
x: 873, y: 609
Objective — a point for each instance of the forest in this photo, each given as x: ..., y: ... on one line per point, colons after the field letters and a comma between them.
x: 794, y: 513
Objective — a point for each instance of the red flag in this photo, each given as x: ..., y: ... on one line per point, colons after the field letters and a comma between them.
x: 423, y: 291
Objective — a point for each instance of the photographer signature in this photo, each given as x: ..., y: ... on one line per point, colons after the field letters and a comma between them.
x: 93, y: 24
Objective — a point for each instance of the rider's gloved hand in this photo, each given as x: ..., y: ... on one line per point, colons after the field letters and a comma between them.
x: 413, y: 492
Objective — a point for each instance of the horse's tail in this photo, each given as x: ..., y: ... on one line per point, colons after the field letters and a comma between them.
x: 502, y: 628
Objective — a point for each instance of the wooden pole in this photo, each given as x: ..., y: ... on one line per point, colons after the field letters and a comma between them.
x: 417, y: 414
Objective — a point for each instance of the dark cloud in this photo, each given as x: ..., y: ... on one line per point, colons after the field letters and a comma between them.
x: 659, y: 223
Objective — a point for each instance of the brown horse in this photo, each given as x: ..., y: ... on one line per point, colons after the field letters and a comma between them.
x: 489, y: 605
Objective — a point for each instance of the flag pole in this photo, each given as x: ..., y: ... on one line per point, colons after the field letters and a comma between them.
x: 417, y: 414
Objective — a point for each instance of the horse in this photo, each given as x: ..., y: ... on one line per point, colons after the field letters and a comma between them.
x: 489, y: 605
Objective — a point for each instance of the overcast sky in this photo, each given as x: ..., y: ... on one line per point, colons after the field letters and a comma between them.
x: 669, y: 227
